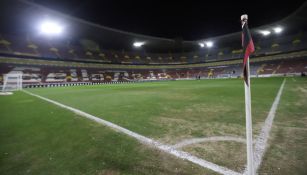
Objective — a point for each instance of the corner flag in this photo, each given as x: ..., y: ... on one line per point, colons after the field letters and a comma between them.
x: 247, y: 44
x: 248, y: 48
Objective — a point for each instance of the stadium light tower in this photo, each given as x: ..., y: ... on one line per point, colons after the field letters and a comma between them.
x: 138, y: 44
x: 50, y: 28
x: 278, y: 30
x: 265, y: 32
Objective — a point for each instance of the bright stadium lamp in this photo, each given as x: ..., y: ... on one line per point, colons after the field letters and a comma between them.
x: 50, y: 28
x: 138, y: 44
x: 265, y: 32
x: 209, y: 44
x: 201, y: 45
x: 278, y: 29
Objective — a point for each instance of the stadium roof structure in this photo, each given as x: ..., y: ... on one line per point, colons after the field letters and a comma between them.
x: 110, y: 38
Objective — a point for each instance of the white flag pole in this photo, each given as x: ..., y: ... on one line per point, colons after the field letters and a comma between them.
x: 249, y: 131
x: 248, y: 113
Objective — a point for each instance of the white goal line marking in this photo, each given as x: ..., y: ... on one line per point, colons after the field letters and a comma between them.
x: 262, y: 139
x: 163, y: 147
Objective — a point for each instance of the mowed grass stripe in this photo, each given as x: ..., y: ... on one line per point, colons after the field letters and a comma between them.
x: 39, y: 138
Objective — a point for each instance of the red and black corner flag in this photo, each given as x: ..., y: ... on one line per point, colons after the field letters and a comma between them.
x: 248, y: 47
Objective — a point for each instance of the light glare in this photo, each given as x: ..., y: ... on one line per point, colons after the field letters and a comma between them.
x: 265, y: 32
x: 51, y: 28
x: 138, y: 44
x: 209, y: 44
x: 278, y: 29
x: 201, y: 44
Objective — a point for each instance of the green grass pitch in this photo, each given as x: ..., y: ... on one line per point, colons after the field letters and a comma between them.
x: 37, y: 137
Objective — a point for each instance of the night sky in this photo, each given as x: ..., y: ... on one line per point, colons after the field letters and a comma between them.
x: 185, y: 19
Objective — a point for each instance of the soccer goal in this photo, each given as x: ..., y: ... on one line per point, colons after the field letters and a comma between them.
x: 11, y: 82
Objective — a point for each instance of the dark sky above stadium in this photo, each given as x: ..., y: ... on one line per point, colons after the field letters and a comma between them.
x: 185, y: 19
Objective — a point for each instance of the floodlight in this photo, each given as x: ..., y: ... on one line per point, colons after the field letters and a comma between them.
x: 51, y: 28
x: 138, y: 44
x: 277, y: 29
x: 201, y: 44
x: 265, y: 32
x: 209, y: 44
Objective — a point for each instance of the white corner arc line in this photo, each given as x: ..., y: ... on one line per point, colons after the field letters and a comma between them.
x: 262, y: 139
x: 148, y: 141
x: 191, y: 141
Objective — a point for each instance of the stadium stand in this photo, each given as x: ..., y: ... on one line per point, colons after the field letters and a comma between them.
x: 42, y: 48
x: 46, y: 61
x: 36, y: 73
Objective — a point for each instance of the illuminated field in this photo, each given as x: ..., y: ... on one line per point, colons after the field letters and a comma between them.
x: 40, y: 138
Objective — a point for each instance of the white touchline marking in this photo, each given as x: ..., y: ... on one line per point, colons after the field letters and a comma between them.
x: 166, y: 148
x: 262, y: 138
x: 191, y: 141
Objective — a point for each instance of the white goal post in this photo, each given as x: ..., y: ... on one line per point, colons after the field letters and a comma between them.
x: 12, y: 82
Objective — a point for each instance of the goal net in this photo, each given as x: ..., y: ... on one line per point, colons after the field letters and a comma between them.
x: 12, y: 82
